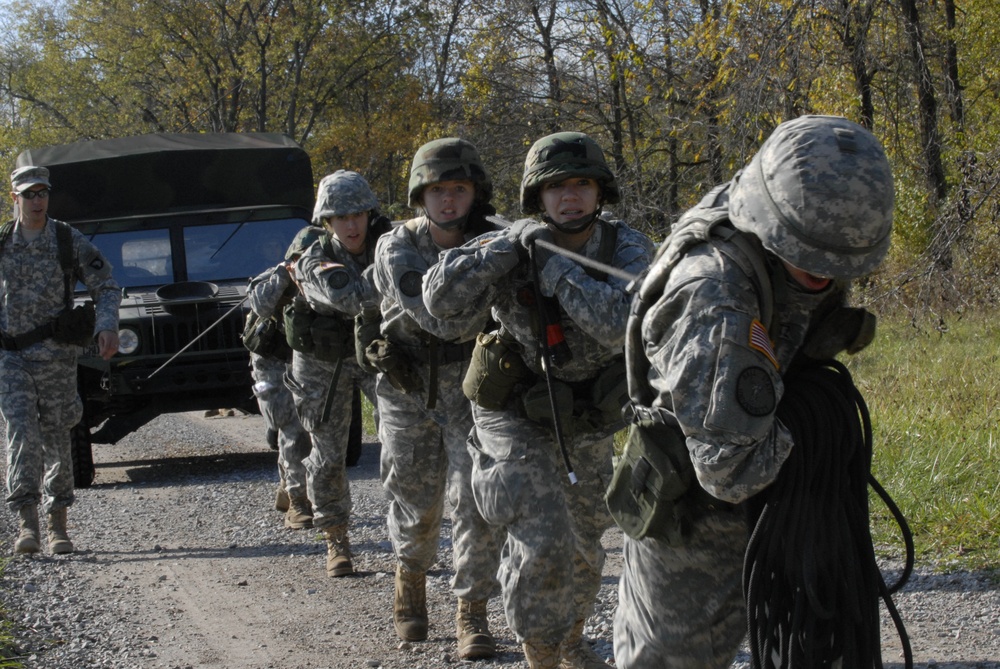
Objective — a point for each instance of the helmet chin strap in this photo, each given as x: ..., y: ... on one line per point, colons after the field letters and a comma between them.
x: 576, y: 225
x: 458, y: 223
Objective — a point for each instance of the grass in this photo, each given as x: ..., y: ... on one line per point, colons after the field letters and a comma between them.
x: 934, y: 399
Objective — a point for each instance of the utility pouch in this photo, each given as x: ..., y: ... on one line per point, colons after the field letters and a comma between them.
x: 609, y: 393
x: 386, y: 357
x: 649, y: 481
x: 298, y: 325
x: 76, y: 325
x: 538, y: 404
x: 328, y: 337
x: 367, y: 328
x: 264, y: 337
x: 496, y: 367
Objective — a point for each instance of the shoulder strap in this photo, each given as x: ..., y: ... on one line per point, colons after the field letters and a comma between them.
x: 64, y: 242
x: 5, y: 232
x: 606, y: 249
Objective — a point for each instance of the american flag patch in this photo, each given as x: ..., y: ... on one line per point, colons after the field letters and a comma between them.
x: 760, y: 341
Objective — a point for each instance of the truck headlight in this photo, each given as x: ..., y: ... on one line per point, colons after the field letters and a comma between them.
x: 128, y: 341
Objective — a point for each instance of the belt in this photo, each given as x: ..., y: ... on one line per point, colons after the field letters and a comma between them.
x: 442, y: 353
x: 26, y: 339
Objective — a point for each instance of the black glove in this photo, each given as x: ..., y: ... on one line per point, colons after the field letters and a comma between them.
x: 537, y: 232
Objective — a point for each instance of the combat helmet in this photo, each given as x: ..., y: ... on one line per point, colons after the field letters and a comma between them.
x: 341, y: 193
x: 304, y: 238
x: 560, y: 156
x: 448, y: 159
x: 819, y: 195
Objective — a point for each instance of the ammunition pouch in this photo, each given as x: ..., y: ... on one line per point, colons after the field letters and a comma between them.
x: 608, y: 395
x: 650, y: 481
x: 495, y: 369
x: 265, y: 337
x: 367, y: 328
x: 325, y: 338
x: 298, y: 318
x: 389, y: 359
x: 538, y: 405
x: 76, y: 325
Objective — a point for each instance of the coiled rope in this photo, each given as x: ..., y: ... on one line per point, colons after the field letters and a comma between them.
x: 810, y: 577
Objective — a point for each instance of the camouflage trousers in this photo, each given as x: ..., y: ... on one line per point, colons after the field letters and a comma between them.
x: 683, y: 608
x: 425, y: 458
x: 324, y: 394
x: 40, y: 404
x: 553, y: 558
x: 277, y: 406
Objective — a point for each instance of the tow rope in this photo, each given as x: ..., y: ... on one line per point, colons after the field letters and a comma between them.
x: 810, y: 578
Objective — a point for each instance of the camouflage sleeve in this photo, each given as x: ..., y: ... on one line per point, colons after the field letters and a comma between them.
x: 711, y: 367
x: 267, y: 290
x: 94, y: 270
x: 332, y: 285
x: 599, y: 308
x: 464, y: 282
x: 399, y: 276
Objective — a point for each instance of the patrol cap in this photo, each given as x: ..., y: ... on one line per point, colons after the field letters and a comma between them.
x: 819, y: 195
x: 304, y: 238
x: 563, y: 155
x: 24, y: 177
x: 341, y: 193
x: 448, y: 159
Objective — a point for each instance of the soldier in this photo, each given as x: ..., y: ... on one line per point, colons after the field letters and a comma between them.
x: 720, y: 317
x: 268, y: 294
x: 320, y: 329
x: 41, y: 260
x: 425, y: 419
x: 553, y: 559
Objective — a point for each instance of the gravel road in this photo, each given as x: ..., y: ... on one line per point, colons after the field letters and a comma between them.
x: 182, y: 562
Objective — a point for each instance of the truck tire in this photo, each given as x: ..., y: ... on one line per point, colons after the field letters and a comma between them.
x: 355, y: 436
x: 83, y: 456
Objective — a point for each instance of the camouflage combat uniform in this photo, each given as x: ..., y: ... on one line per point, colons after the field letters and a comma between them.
x: 701, y: 358
x: 553, y: 558
x: 424, y: 454
x: 266, y: 296
x: 38, y: 393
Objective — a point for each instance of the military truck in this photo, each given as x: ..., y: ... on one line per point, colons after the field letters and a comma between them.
x: 185, y: 220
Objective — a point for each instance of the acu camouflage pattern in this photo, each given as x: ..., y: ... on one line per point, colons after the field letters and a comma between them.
x: 324, y: 391
x: 553, y: 558
x: 689, y: 353
x: 304, y: 238
x: 560, y: 156
x: 818, y: 194
x: 38, y: 394
x: 266, y: 295
x: 448, y: 159
x: 341, y: 193
x: 424, y: 452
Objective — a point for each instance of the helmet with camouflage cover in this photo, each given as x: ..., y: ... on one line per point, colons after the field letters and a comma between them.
x: 561, y: 156
x: 304, y: 238
x: 341, y: 193
x: 819, y: 195
x: 448, y: 159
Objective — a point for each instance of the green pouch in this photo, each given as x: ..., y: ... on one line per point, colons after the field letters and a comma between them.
x: 609, y: 393
x: 76, y: 325
x: 298, y: 325
x: 649, y: 479
x: 367, y: 328
x: 386, y: 357
x: 495, y: 369
x: 538, y: 405
x: 329, y: 334
x: 264, y: 337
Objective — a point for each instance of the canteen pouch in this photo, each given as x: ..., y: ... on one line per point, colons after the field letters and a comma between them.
x: 264, y: 337
x: 395, y: 364
x: 495, y: 369
x: 76, y: 325
x: 298, y: 325
x: 328, y: 338
x: 650, y: 478
x: 538, y: 404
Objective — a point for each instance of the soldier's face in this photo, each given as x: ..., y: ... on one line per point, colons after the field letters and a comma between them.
x: 33, y: 211
x: 567, y: 200
x: 448, y: 200
x: 350, y: 229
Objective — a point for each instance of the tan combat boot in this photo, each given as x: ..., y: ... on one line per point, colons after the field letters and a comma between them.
x: 59, y: 542
x: 473, y: 630
x: 299, y: 514
x: 542, y: 656
x: 27, y: 540
x: 338, y: 551
x: 577, y: 653
x: 281, y: 498
x: 409, y: 609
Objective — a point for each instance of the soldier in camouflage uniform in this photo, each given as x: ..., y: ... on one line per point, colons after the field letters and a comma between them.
x: 38, y: 393
x: 552, y: 564
x: 425, y: 418
x: 815, y: 207
x: 333, y: 291
x: 268, y: 294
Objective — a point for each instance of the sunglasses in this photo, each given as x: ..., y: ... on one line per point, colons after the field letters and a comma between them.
x: 32, y: 194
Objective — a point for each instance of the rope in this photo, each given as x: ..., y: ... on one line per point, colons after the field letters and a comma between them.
x: 810, y: 577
